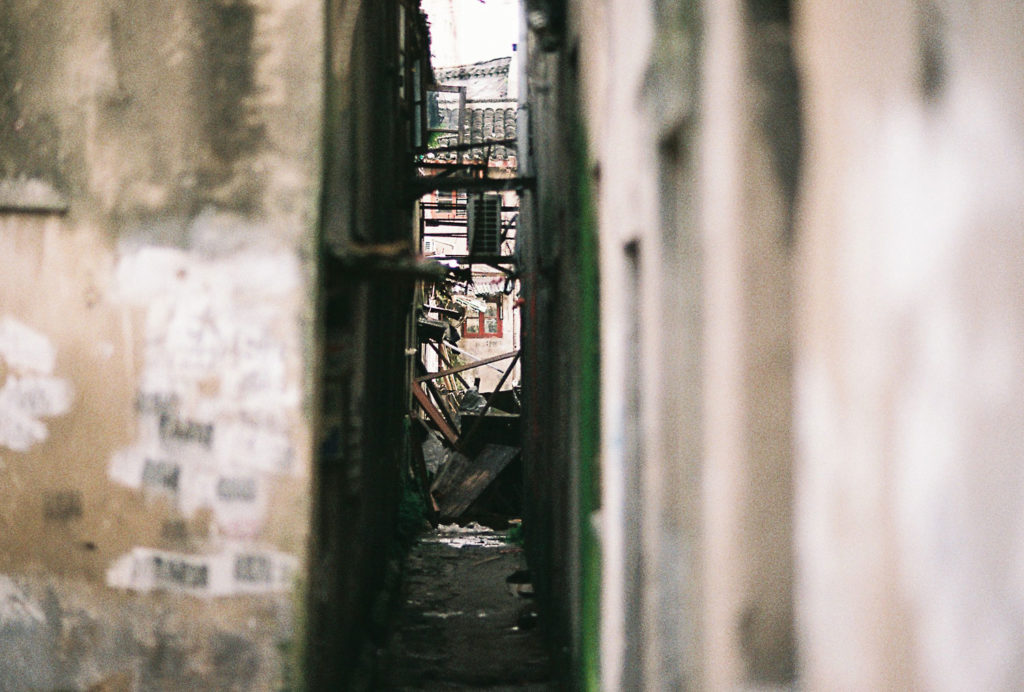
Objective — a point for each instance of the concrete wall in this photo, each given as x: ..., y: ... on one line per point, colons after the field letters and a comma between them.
x: 749, y: 152
x: 691, y: 135
x: 160, y: 178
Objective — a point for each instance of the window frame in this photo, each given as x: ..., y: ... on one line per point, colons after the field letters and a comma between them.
x: 481, y: 321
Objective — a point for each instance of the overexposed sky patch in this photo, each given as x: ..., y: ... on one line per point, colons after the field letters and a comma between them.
x: 468, y: 31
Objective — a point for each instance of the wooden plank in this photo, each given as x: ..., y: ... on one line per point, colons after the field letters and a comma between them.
x: 440, y: 351
x: 442, y: 405
x: 438, y: 419
x: 443, y: 311
x: 421, y: 185
x: 463, y: 480
x: 468, y: 366
x: 448, y: 414
x: 490, y: 398
x: 473, y: 145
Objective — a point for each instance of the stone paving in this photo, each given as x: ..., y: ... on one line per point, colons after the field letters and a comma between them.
x: 461, y: 624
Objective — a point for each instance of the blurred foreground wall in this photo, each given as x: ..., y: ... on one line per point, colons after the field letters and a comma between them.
x: 810, y: 223
x: 910, y: 375
x: 159, y: 182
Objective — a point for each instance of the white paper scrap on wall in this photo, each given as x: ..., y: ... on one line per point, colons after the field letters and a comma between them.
x: 23, y: 349
x: 236, y: 570
x: 19, y: 432
x: 36, y: 395
x: 218, y: 395
x: 29, y: 391
x: 249, y: 445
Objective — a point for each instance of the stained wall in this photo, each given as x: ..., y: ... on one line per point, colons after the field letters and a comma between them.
x: 160, y: 175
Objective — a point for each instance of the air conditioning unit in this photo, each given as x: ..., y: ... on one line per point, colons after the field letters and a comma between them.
x: 484, y: 223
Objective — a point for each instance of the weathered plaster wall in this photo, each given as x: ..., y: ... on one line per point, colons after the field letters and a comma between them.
x: 909, y: 370
x: 156, y: 340
x: 627, y: 216
x: 640, y: 88
x: 557, y: 243
x: 549, y: 226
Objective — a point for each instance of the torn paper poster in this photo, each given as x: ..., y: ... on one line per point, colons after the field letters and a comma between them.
x: 218, y: 398
x: 235, y: 571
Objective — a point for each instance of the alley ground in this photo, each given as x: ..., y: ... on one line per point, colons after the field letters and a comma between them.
x: 466, y: 619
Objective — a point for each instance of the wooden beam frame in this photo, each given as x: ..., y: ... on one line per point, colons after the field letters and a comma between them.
x: 487, y: 407
x: 468, y: 366
x: 435, y: 415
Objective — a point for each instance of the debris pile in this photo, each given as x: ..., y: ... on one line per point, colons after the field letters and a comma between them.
x: 466, y: 450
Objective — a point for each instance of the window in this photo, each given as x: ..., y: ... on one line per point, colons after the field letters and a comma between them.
x: 484, y: 324
x: 451, y: 205
x: 446, y: 201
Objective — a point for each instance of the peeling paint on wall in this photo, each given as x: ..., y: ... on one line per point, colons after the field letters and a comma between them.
x: 29, y: 391
x: 16, y: 608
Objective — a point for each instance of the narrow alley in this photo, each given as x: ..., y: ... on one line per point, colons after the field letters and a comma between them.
x: 467, y: 618
x: 511, y: 345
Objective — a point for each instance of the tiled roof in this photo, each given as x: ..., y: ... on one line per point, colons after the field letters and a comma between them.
x: 489, y: 116
x: 484, y: 121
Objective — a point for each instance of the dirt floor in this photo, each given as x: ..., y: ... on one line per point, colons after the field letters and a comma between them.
x: 466, y: 619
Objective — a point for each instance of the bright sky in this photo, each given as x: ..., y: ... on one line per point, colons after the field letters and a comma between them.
x: 467, y: 31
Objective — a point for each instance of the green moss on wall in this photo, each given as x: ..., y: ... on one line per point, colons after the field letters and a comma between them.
x: 589, y: 420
